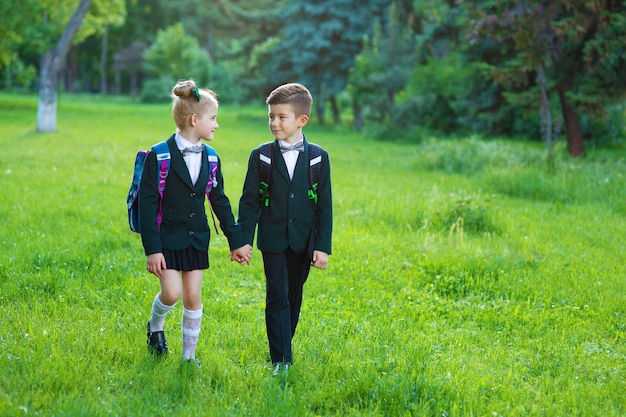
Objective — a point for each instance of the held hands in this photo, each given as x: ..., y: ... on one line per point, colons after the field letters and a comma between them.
x: 156, y: 264
x: 320, y: 259
x: 242, y: 255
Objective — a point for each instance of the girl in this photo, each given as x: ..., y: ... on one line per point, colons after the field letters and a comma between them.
x: 177, y: 248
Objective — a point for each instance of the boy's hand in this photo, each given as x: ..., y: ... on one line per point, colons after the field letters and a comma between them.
x: 156, y: 264
x: 320, y: 259
x: 242, y: 255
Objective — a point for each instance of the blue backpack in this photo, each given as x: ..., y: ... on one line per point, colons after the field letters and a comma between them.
x: 163, y: 156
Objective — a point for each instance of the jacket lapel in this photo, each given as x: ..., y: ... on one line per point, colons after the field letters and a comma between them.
x: 203, y: 178
x: 279, y: 163
x: 301, y: 164
x: 179, y: 167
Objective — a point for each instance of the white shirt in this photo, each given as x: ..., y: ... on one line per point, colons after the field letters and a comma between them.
x: 193, y: 160
x: 290, y: 157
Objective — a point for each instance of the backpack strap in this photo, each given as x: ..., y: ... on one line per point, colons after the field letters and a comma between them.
x: 315, y: 167
x: 133, y: 192
x: 164, y: 158
x: 212, y: 158
x: 265, y: 172
x: 212, y: 182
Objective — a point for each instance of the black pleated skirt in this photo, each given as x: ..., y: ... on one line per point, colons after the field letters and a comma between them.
x: 188, y: 259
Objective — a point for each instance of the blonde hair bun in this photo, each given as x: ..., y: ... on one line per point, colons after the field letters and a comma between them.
x: 184, y: 88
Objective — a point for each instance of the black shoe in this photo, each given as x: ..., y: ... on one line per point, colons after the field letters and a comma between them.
x: 192, y: 362
x: 281, y: 368
x: 156, y: 342
x: 277, y: 368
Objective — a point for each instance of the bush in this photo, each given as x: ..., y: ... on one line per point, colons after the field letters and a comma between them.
x: 174, y: 56
x: 608, y: 130
x: 157, y: 90
x: 19, y: 75
x: 464, y: 214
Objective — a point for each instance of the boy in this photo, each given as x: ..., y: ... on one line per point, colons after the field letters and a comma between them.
x: 289, y: 220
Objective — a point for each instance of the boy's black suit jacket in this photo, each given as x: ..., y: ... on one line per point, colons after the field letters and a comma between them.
x: 185, y: 220
x: 288, y: 220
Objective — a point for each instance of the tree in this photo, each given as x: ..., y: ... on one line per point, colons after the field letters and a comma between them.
x: 382, y: 68
x: 319, y: 43
x: 571, y: 47
x: 88, y: 58
x: 51, y: 63
x: 106, y: 14
x: 129, y: 60
x: 12, y: 24
x: 227, y: 31
x: 174, y: 55
x: 33, y: 27
x: 127, y: 43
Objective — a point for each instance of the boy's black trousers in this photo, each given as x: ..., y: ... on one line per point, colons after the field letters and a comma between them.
x: 285, y: 275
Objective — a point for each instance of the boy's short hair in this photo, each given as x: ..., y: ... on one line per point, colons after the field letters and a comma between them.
x: 295, y: 94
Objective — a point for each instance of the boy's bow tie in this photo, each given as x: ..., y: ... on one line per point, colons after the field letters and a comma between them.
x: 296, y: 147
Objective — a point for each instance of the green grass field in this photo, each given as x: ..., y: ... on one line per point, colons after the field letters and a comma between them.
x: 466, y: 279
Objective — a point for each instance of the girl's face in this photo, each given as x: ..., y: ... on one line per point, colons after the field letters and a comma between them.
x: 207, y: 123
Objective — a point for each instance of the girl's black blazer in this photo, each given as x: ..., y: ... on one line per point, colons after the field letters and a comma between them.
x: 185, y: 220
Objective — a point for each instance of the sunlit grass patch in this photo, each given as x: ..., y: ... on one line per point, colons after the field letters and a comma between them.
x: 467, y: 278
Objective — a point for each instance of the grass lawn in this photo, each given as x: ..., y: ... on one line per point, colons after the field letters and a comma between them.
x: 466, y: 279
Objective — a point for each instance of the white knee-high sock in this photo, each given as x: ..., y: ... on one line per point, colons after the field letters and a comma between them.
x: 159, y: 311
x: 192, y: 319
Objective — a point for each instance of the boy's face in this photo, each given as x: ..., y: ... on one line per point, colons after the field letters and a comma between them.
x: 284, y: 123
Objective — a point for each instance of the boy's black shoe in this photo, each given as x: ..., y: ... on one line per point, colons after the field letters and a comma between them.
x: 280, y: 368
x: 156, y: 342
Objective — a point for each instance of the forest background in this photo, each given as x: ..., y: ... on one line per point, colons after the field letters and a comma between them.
x: 508, y: 295
x: 533, y: 69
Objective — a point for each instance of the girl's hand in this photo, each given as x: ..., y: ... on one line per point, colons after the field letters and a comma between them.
x: 242, y: 255
x: 156, y: 264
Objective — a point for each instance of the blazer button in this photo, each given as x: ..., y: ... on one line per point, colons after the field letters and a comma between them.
x: 191, y: 215
x: 192, y: 195
x: 290, y: 221
x: 191, y: 233
x: 291, y: 195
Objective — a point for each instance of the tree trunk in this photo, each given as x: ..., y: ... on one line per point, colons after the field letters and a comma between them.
x: 52, y: 62
x: 103, y: 61
x: 545, y: 108
x: 71, y: 71
x: 385, y: 115
x: 575, y: 144
x: 319, y: 101
x: 117, y: 86
x: 335, y: 110
x: 358, y: 115
x: 134, y: 83
x: 320, y: 111
x: 8, y: 77
x: 47, y: 108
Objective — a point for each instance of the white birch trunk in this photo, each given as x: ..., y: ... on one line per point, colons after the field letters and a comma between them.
x: 47, y: 109
x: 51, y: 63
